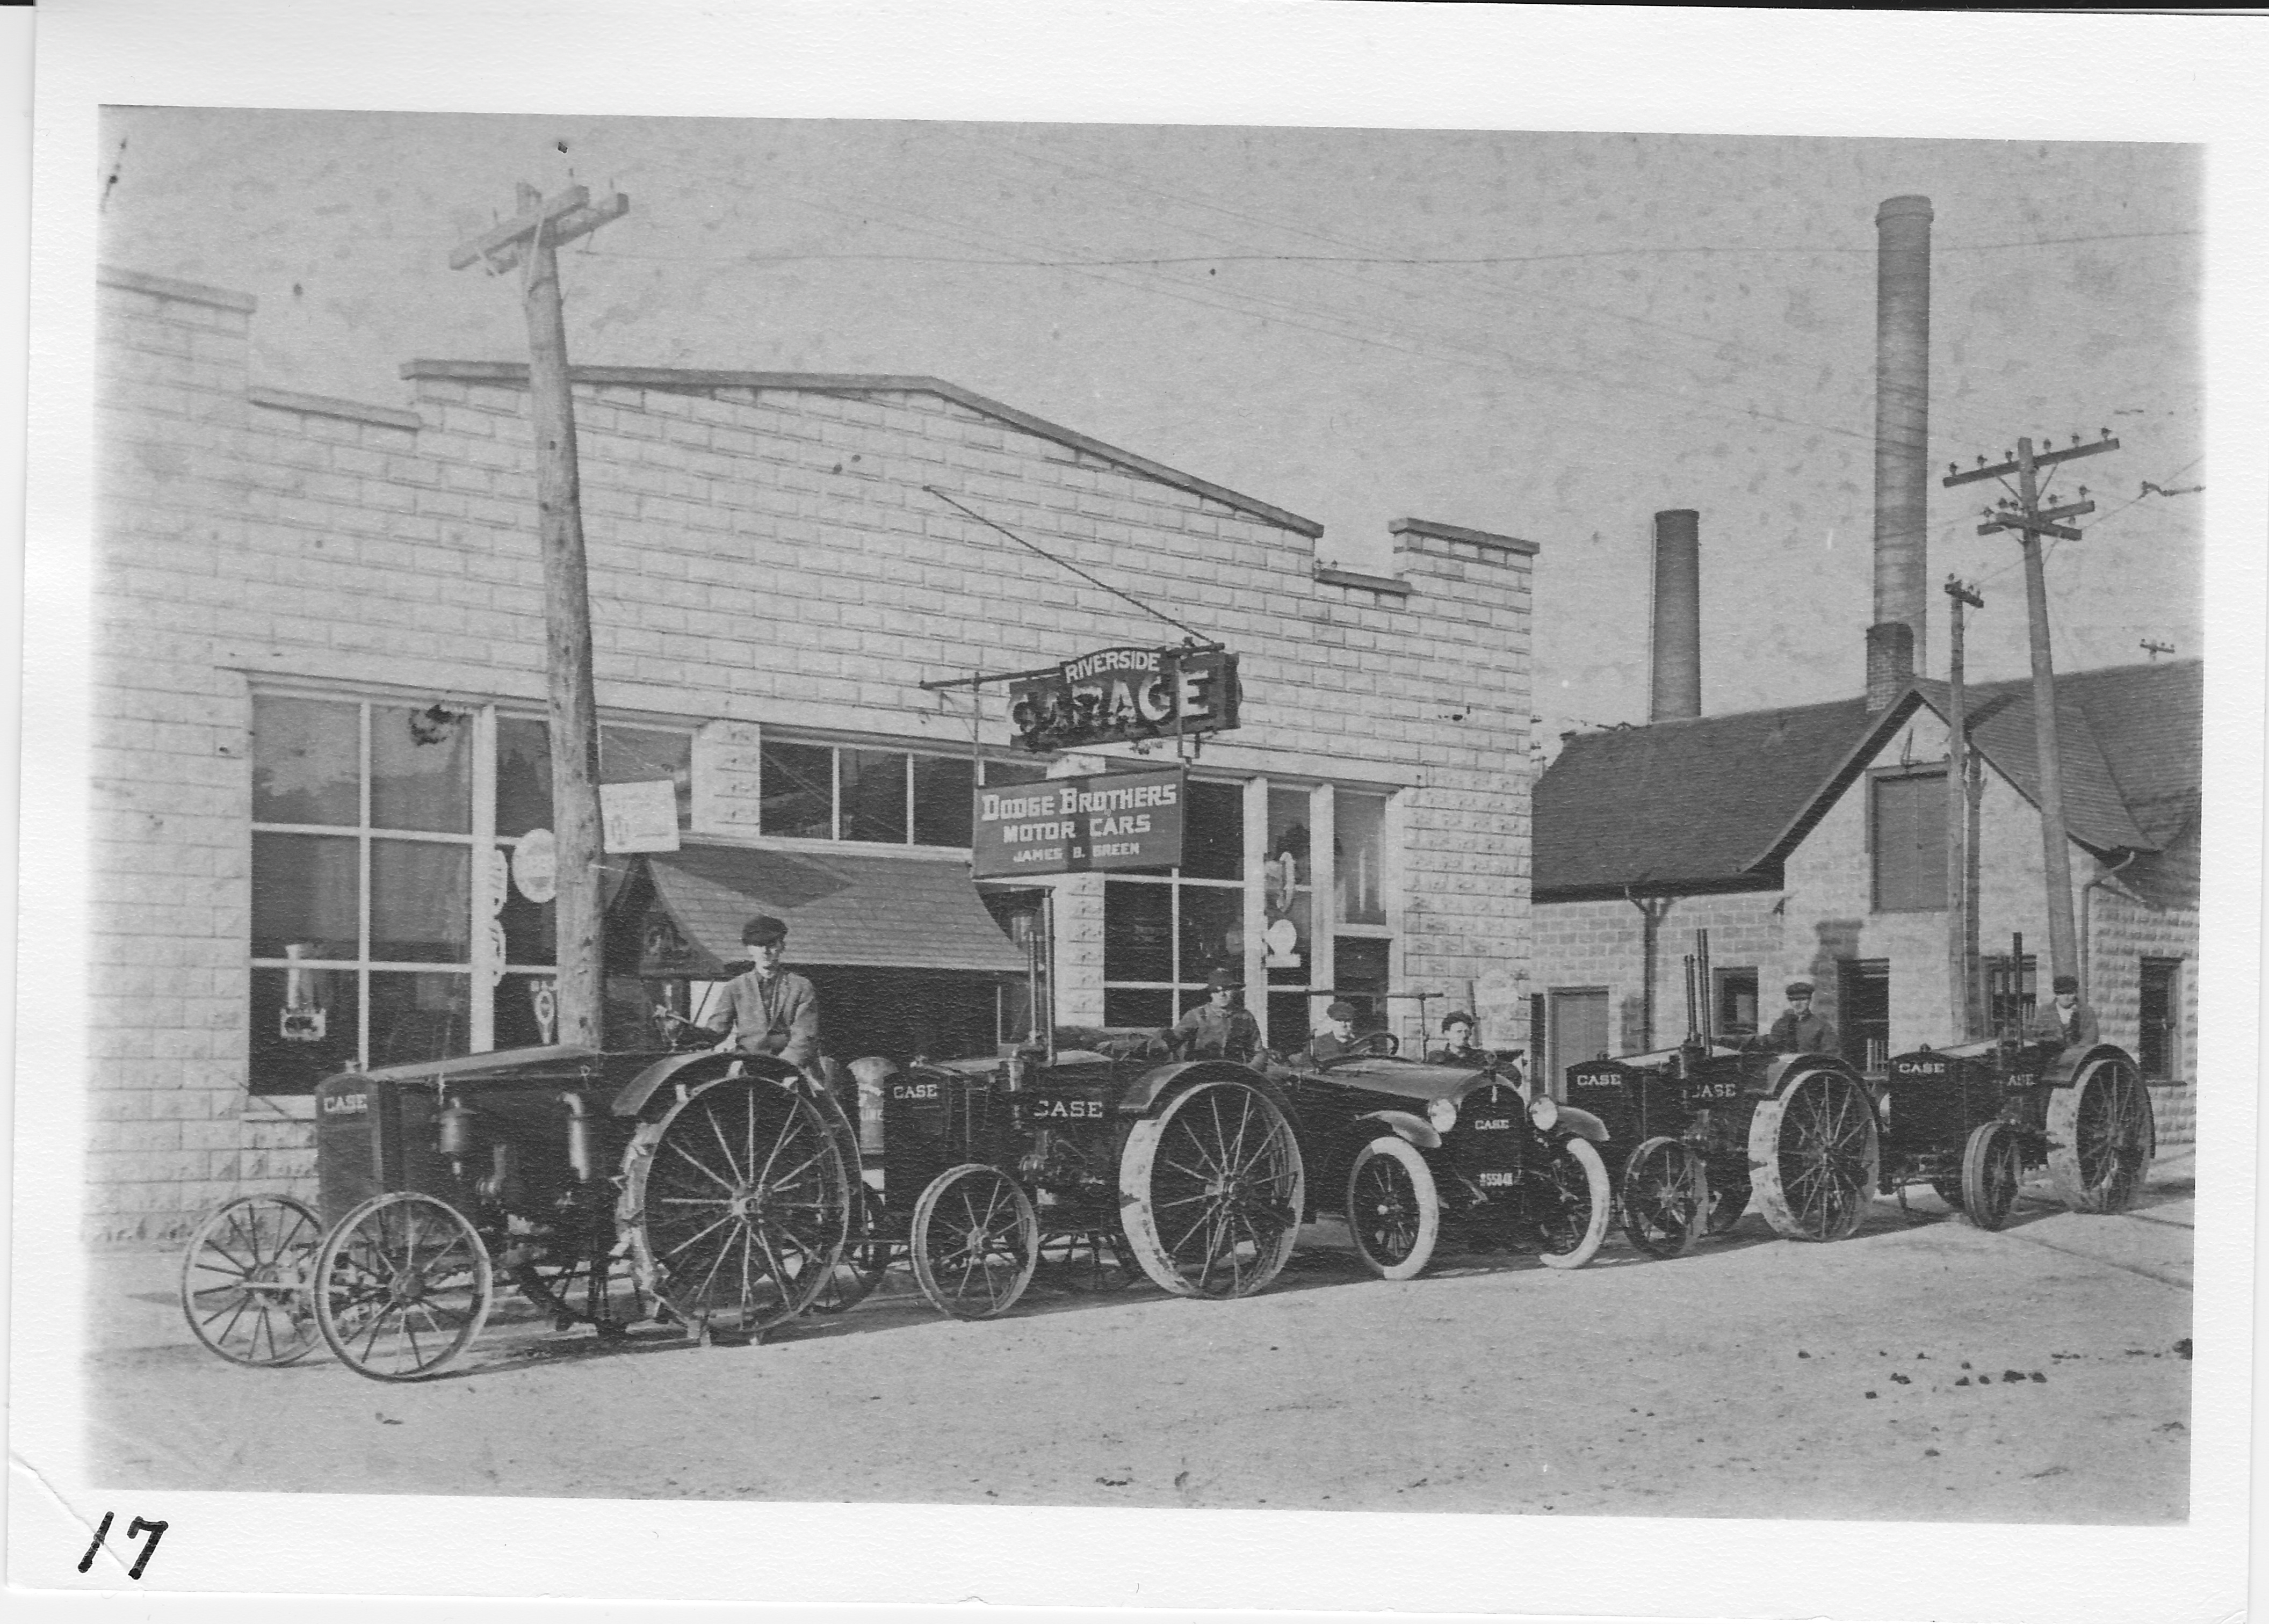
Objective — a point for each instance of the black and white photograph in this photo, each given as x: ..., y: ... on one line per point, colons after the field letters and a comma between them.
x: 851, y: 815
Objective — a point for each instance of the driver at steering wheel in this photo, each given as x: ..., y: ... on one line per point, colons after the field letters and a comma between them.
x: 1337, y: 1038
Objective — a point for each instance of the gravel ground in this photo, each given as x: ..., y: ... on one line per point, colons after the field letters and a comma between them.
x: 1928, y: 1371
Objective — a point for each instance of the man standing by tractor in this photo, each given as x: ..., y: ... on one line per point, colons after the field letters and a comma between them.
x: 1218, y: 1028
x: 2067, y: 1022
x: 770, y: 1010
x: 1798, y: 1030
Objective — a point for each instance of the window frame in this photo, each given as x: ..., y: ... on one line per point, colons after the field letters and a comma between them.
x: 1877, y: 777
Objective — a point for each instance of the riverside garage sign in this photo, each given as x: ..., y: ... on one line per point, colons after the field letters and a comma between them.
x: 1106, y: 820
x: 1121, y: 694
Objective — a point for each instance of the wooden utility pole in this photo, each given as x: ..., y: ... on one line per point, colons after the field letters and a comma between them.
x: 1960, y: 841
x: 531, y: 241
x: 2031, y: 521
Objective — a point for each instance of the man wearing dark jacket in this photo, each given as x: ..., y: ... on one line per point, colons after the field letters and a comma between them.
x: 2067, y: 1022
x: 1798, y: 1030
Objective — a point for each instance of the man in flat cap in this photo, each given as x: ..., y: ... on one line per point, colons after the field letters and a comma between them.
x: 770, y: 1010
x: 1798, y: 1030
x: 1337, y: 1038
x: 1220, y: 1028
x: 2067, y: 1022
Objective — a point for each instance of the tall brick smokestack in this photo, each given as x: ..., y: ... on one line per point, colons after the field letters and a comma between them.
x: 1901, y: 445
x: 1677, y: 615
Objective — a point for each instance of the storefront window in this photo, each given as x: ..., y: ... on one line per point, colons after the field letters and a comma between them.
x: 626, y: 756
x: 420, y: 902
x: 1163, y: 935
x: 306, y: 896
x: 1360, y: 977
x: 1213, y: 833
x: 942, y: 786
x: 1288, y: 879
x: 1359, y: 857
x: 799, y: 791
x: 421, y: 769
x: 873, y: 786
x: 307, y: 768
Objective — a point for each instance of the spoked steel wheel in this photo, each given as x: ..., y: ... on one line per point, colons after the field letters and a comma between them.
x: 976, y: 1241
x: 403, y: 1285
x: 2102, y: 1136
x: 1814, y: 1157
x: 1211, y: 1189
x: 866, y: 1259
x: 1393, y: 1210
x: 245, y: 1279
x: 741, y: 1207
x: 1574, y: 1219
x: 1993, y: 1167
x: 1662, y: 1196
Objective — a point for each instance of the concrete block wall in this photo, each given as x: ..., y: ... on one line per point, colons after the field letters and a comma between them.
x: 1602, y: 943
x: 758, y: 553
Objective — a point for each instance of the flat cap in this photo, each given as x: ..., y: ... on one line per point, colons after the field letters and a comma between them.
x: 2065, y: 984
x: 764, y: 930
x: 1797, y: 988
x: 1341, y: 1009
x: 1225, y: 978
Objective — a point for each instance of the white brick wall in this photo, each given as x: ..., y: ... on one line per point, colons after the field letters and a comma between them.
x: 758, y: 555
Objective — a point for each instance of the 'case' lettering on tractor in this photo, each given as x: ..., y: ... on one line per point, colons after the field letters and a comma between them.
x: 1596, y: 1080
x: 1066, y: 1109
x: 913, y: 1090
x: 346, y: 1104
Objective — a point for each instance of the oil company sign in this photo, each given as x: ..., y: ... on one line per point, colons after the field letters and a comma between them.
x: 1119, y: 694
x: 1106, y: 820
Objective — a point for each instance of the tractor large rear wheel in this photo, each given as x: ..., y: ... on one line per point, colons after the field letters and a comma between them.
x: 1814, y: 1157
x: 1210, y: 1189
x: 2102, y: 1136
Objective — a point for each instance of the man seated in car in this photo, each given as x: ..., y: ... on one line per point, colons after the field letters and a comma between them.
x: 1338, y: 1037
x: 1458, y: 1047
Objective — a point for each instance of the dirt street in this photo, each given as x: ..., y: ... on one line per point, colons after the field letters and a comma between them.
x: 1931, y: 1371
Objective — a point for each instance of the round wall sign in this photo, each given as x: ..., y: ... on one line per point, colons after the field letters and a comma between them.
x: 536, y: 866
x: 1284, y: 936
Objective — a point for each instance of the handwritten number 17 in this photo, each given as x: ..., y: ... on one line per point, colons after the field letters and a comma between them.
x: 134, y: 1530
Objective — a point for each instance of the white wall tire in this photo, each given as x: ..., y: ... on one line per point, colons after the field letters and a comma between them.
x: 1393, y: 1211
x: 1576, y: 1160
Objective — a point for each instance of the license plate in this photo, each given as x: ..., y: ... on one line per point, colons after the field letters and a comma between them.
x: 1496, y: 1181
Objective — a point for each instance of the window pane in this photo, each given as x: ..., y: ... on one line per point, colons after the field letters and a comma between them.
x: 1288, y: 965
x: 304, y: 896
x: 799, y: 791
x: 421, y: 769
x: 874, y: 795
x: 1288, y: 835
x: 1138, y: 923
x: 1213, y: 930
x: 420, y: 903
x: 418, y: 1017
x: 1134, y: 1007
x: 523, y: 776
x: 531, y: 930
x: 1287, y: 1020
x: 1910, y: 842
x: 1213, y: 833
x: 998, y: 770
x: 644, y: 756
x: 292, y: 1057
x: 1359, y: 857
x: 1360, y: 977
x: 942, y: 785
x: 304, y: 754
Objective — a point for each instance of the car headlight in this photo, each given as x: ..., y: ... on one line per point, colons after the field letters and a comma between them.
x: 1544, y: 1110
x: 1442, y: 1115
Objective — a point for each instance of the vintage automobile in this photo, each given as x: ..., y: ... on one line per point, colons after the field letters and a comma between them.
x: 1088, y: 1154
x: 1701, y: 1128
x: 712, y: 1184
x: 1976, y: 1120
x: 1414, y: 1150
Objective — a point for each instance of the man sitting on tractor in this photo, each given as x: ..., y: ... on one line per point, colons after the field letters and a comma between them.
x: 770, y: 1010
x: 1798, y: 1030
x: 2067, y: 1022
x: 1217, y: 1028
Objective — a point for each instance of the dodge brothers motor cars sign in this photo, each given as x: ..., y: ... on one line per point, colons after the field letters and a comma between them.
x: 1119, y: 694
x: 1109, y: 820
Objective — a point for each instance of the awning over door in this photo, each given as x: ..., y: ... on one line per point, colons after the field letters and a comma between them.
x: 847, y: 908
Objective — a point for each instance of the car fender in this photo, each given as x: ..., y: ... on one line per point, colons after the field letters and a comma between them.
x: 2071, y: 1062
x: 1417, y: 1130
x: 694, y: 1070
x: 1145, y: 1096
x: 1580, y: 1121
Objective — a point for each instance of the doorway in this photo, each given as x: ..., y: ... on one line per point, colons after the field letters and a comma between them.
x: 1863, y: 1012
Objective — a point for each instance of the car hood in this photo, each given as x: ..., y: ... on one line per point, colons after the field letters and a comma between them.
x: 1413, y: 1079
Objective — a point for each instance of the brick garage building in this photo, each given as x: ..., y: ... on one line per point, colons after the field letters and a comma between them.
x: 1809, y: 841
x: 319, y: 734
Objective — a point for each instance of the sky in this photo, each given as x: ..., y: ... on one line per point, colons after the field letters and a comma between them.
x: 1548, y: 336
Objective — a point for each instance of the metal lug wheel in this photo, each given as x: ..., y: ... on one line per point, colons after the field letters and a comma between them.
x: 976, y: 1242
x: 403, y: 1285
x: 1393, y: 1210
x: 246, y: 1278
x: 2102, y: 1136
x: 1211, y: 1190
x: 740, y: 1206
x: 866, y: 1259
x: 1993, y: 1167
x: 1663, y: 1197
x: 1575, y: 1220
x: 1814, y: 1157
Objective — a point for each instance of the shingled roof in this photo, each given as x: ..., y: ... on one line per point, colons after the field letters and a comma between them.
x: 1715, y: 803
